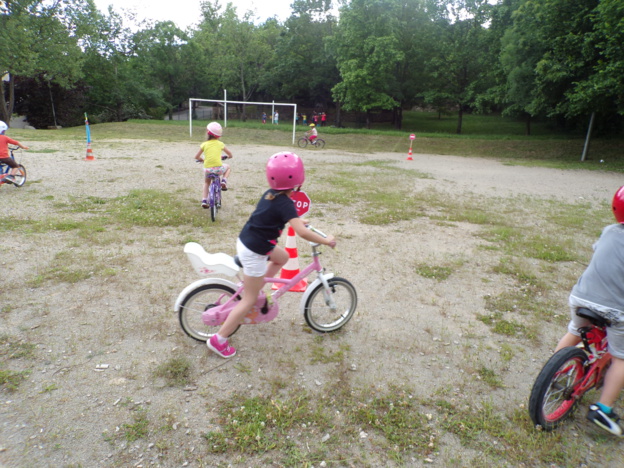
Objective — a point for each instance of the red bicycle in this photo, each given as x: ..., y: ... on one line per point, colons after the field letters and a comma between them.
x: 570, y: 373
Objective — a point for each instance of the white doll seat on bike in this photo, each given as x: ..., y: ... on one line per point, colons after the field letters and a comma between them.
x: 206, y: 264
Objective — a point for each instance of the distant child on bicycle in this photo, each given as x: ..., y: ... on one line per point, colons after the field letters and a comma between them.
x: 5, y: 157
x: 601, y: 289
x: 312, y: 134
x: 211, y: 149
x: 257, y: 241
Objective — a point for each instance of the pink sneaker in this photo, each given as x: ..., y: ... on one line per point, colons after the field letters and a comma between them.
x: 224, y: 350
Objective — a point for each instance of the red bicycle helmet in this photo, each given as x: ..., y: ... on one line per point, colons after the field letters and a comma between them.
x: 214, y: 129
x: 284, y: 171
x: 618, y: 205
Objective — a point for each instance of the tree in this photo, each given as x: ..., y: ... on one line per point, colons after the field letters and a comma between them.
x: 367, y: 54
x: 159, y: 58
x: 460, y: 67
x: 39, y: 39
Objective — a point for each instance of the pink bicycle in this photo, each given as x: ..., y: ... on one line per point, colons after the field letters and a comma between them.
x: 328, y: 303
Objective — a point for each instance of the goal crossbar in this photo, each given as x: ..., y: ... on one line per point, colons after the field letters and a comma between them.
x: 225, y: 103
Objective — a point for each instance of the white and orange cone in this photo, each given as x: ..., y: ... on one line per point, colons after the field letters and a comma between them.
x: 89, y: 156
x: 409, y: 155
x: 291, y: 269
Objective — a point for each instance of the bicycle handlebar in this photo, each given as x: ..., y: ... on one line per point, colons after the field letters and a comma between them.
x: 319, y: 232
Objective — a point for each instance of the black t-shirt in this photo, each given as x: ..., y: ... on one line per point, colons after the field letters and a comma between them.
x: 266, y: 223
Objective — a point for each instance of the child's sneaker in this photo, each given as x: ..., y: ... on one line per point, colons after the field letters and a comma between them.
x: 204, y: 203
x: 609, y: 422
x: 9, y: 179
x: 223, y: 185
x: 224, y: 350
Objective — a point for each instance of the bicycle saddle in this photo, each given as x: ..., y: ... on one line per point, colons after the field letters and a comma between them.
x: 593, y: 317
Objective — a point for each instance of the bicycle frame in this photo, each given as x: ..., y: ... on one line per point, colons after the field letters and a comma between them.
x: 599, y: 358
x: 266, y: 309
x: 215, y: 189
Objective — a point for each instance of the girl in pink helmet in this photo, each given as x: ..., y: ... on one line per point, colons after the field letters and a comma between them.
x: 209, y: 153
x: 257, y: 241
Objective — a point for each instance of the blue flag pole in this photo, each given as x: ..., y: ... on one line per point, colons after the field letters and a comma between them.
x: 88, y: 130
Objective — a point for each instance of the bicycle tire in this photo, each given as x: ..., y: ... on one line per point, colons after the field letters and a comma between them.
x: 319, y: 143
x: 302, y: 142
x: 317, y: 312
x: 195, y: 303
x: 551, y: 400
x: 214, y: 196
x: 20, y: 176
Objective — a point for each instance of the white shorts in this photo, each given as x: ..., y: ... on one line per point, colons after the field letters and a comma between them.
x: 254, y: 265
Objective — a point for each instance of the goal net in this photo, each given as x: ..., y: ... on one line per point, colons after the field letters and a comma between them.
x: 274, y: 113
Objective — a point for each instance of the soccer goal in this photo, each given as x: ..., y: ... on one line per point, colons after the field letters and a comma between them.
x: 221, y: 106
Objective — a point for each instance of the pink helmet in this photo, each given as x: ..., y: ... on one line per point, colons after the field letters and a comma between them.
x: 285, y: 171
x: 215, y: 129
x: 618, y: 205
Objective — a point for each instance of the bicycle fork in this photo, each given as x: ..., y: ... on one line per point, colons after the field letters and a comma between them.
x: 327, y: 293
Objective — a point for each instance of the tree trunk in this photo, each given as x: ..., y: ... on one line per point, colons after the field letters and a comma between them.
x: 527, y: 130
x: 460, y: 117
x: 338, y: 118
x: 368, y: 123
x: 6, y: 108
x: 398, y: 117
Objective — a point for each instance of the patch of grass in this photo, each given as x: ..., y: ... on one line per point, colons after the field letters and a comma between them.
x: 502, y: 326
x: 322, y: 354
x: 12, y: 348
x: 401, y: 422
x: 153, y: 208
x: 139, y: 428
x: 437, y: 272
x: 176, y: 371
x: 489, y: 377
x: 11, y: 380
x: 260, y: 424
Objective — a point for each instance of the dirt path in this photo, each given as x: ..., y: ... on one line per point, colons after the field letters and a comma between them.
x: 97, y: 341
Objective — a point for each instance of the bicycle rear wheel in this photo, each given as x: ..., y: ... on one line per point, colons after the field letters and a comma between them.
x: 302, y: 142
x: 197, y: 301
x: 318, y: 312
x: 215, y: 191
x: 319, y: 143
x: 551, y: 398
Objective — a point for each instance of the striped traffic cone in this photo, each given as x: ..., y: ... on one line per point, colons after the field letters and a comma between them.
x: 291, y: 269
x: 409, y: 155
x: 89, y: 156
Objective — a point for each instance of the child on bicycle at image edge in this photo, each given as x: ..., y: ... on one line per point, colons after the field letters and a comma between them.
x: 601, y: 289
x: 257, y: 241
x: 5, y: 157
x: 211, y: 149
x: 312, y: 134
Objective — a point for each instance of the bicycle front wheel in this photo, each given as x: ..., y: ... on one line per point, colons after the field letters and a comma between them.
x: 195, y: 303
x: 303, y: 142
x: 327, y: 311
x: 551, y: 398
x: 20, y: 176
x: 319, y: 143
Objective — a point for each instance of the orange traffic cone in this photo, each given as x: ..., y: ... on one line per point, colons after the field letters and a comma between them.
x: 89, y: 153
x: 291, y: 269
x: 409, y: 155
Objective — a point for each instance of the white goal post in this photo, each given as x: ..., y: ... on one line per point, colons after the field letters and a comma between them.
x: 225, y: 103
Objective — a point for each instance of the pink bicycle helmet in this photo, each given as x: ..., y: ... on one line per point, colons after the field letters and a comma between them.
x: 618, y: 205
x: 285, y: 171
x: 214, y: 129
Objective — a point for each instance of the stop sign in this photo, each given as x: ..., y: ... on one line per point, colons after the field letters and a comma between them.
x: 302, y: 202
